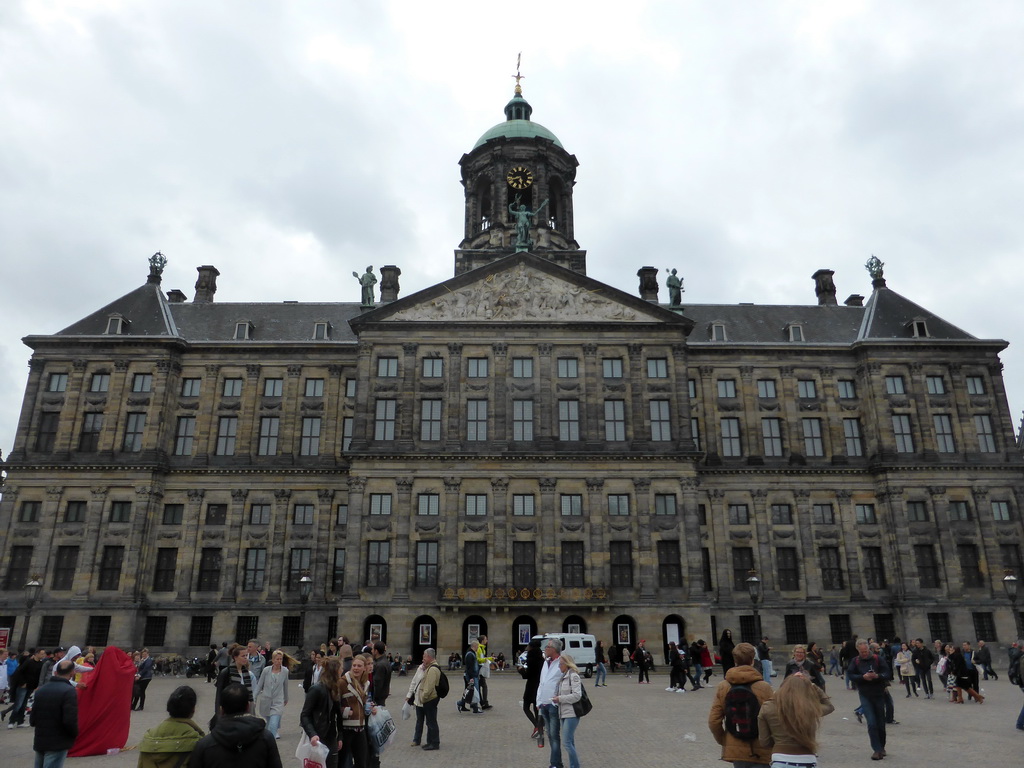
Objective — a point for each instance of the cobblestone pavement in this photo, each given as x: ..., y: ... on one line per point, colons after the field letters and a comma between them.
x: 632, y: 726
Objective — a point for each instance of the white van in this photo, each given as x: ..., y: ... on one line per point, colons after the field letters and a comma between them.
x: 582, y: 648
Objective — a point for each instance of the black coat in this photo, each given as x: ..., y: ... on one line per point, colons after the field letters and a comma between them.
x: 237, y: 741
x: 381, y: 681
x: 55, y: 716
x: 321, y: 716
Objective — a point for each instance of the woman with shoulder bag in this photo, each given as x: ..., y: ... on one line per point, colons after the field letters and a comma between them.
x: 355, y: 706
x: 321, y: 711
x: 568, y: 692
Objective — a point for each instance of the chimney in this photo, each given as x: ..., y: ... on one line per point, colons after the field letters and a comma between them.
x: 824, y: 287
x: 389, y: 283
x: 206, y: 285
x: 176, y: 296
x: 854, y: 300
x: 648, y: 283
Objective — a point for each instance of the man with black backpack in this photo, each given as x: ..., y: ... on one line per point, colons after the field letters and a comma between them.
x: 733, y: 716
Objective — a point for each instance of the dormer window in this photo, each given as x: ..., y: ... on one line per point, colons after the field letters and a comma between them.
x: 919, y: 328
x: 795, y: 331
x: 117, y: 325
x: 243, y: 331
x: 321, y: 331
x: 718, y: 332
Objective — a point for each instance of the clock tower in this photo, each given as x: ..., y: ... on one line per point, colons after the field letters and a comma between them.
x: 518, y: 182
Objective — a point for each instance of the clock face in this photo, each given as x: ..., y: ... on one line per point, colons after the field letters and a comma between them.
x: 520, y: 177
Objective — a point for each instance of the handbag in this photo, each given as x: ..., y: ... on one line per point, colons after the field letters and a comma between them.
x: 584, y: 705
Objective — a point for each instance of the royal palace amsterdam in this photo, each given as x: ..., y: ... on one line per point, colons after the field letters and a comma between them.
x: 517, y: 449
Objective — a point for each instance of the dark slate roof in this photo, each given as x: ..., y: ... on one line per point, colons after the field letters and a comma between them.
x: 768, y: 324
x: 271, y: 321
x: 889, y: 316
x: 145, y: 308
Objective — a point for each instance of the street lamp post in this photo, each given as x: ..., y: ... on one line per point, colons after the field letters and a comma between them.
x: 305, y: 590
x: 754, y: 587
x: 1010, y: 585
x: 31, y: 595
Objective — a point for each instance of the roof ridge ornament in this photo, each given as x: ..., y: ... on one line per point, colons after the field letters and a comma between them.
x: 874, y: 267
x: 157, y: 262
x: 517, y: 76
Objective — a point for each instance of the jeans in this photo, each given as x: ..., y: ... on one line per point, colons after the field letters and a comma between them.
x: 569, y: 738
x: 925, y: 676
x: 20, y: 700
x: 698, y: 670
x: 354, y: 746
x: 50, y: 759
x: 602, y: 674
x: 833, y: 664
x: 874, y: 712
x: 429, y: 710
x: 549, y: 712
x: 766, y: 670
x: 273, y: 724
x: 642, y: 674
x: 1020, y: 719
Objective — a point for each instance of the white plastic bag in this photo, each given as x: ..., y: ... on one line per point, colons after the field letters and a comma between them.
x: 310, y: 756
x: 406, y: 710
x: 381, y: 729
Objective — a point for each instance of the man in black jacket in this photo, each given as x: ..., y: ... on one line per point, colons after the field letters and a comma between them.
x: 22, y: 683
x: 55, y: 717
x: 381, y: 687
x: 923, y: 659
x: 238, y: 740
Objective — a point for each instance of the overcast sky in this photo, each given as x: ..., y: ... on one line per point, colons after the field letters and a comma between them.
x: 288, y: 143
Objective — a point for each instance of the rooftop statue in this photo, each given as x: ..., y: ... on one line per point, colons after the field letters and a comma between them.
x: 675, y: 289
x: 523, y: 217
x: 367, y: 281
x: 874, y: 267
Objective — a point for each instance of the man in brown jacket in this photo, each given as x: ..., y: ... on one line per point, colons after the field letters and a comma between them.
x: 742, y: 754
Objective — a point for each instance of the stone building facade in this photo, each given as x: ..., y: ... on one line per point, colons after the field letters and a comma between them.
x: 520, y: 448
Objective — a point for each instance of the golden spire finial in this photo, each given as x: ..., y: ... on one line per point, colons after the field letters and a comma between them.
x: 517, y: 76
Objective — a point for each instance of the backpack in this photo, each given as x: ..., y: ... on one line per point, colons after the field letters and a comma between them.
x: 442, y: 683
x: 1016, y: 668
x: 741, y: 708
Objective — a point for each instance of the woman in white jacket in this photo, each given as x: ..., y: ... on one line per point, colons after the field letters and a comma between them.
x: 272, y: 691
x: 569, y: 691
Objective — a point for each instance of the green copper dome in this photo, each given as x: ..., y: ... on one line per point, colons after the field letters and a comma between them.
x: 518, y: 124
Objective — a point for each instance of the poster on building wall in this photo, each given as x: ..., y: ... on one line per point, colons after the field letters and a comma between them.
x: 426, y: 634
x: 5, y: 638
x: 376, y: 632
x: 524, y: 634
x: 472, y: 632
x: 623, y: 631
x: 573, y: 629
x: 672, y: 633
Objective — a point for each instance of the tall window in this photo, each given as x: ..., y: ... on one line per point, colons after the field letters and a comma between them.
x: 705, y: 569
x: 298, y: 564
x: 739, y: 514
x: 904, y: 438
x: 523, y: 505
x: 927, y: 566
x: 314, y: 388
x: 618, y: 505
x: 384, y: 425
x: 142, y: 382
x: 894, y: 385
x: 259, y: 514
x: 310, y: 442
x: 428, y: 504
x: 944, y: 434
x: 387, y: 367
x: 18, y: 567
x: 524, y: 564
x: 731, y: 437
x: 568, y: 368
x: 190, y: 387
x: 47, y: 434
x: 984, y: 626
x: 476, y: 419
x: 572, y: 564
x: 347, y: 425
x: 270, y: 428
x: 110, y: 569
x: 568, y: 420
x: 474, y: 567
x: 975, y: 385
x: 64, y: 566
x: 522, y: 368
x: 727, y: 388
x: 380, y: 503
x: 614, y: 420
x: 788, y: 568
x: 670, y: 570
x: 166, y: 567
x: 917, y: 512
x: 812, y: 437
x: 273, y: 387
x: 657, y: 368
x: 840, y: 628
x: 133, y: 432
x: 986, y: 438
x: 232, y: 388
x: 1009, y: 555
x: 847, y: 390
x: 227, y: 431
x: 476, y: 505
x: 184, y: 435
x: 92, y: 424
x: 831, y: 568
x: 522, y: 419
x: 430, y: 420
x: 661, y: 424
x: 823, y: 514
x: 742, y: 565
x: 970, y: 565
x: 426, y: 563
x: 303, y: 514
x: 866, y: 514
x: 75, y: 512
x: 571, y: 504
x: 338, y: 572
x: 621, y: 563
x: 874, y: 568
x: 766, y: 388
x: 806, y: 389
x: 695, y: 432
x: 210, y: 560
x: 771, y: 431
x: 611, y: 367
x: 782, y: 514
x: 476, y: 367
x: 200, y: 630
x: 851, y: 433
x: 255, y: 570
x: 433, y: 367
x: 97, y: 631
x: 120, y: 511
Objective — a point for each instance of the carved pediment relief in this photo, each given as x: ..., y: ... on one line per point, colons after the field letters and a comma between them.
x: 524, y: 527
x: 739, y: 535
x: 819, y: 534
x: 783, y: 534
x: 519, y: 294
x: 474, y: 527
x: 619, y: 526
x: 762, y: 406
x: 664, y: 523
x: 428, y: 526
x: 378, y: 523
x: 168, y: 535
x: 572, y: 527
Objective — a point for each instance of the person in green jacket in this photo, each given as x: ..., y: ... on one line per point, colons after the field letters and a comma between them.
x: 170, y: 744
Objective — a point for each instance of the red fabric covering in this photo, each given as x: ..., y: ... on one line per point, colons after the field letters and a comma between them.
x: 104, y: 706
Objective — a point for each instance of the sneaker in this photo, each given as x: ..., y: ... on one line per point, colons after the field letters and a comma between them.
x: 860, y: 717
x: 12, y: 725
x: 680, y: 690
x: 23, y: 725
x: 671, y: 690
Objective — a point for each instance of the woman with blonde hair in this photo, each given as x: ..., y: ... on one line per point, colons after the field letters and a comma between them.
x: 567, y: 693
x: 272, y: 690
x: 788, y: 723
x: 321, y: 711
x: 355, y: 705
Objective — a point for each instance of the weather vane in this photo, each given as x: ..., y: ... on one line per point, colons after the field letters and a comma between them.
x: 517, y: 76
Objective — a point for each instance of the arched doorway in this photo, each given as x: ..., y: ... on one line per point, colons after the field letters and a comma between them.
x: 374, y: 628
x: 673, y: 630
x: 624, y: 638
x: 574, y: 625
x: 523, y: 628
x: 423, y: 636
x: 472, y: 628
